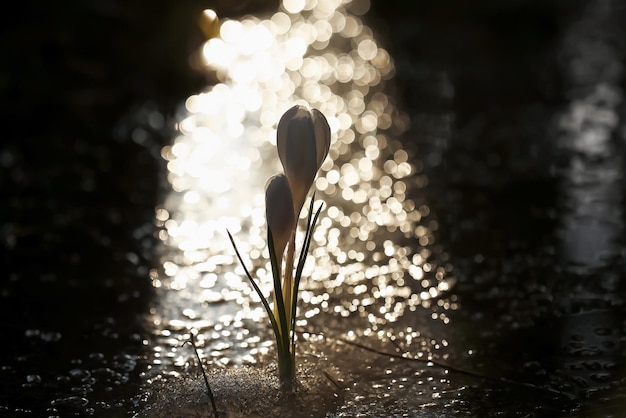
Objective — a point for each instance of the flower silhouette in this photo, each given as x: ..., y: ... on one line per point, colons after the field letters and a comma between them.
x: 303, y: 141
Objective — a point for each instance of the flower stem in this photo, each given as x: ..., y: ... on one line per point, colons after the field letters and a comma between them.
x: 287, y: 366
x: 288, y: 279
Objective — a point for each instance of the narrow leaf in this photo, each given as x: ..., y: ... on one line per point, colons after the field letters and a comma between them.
x: 303, y: 254
x: 278, y: 294
x: 256, y: 287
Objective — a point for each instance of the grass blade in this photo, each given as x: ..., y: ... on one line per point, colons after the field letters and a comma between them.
x: 206, y: 380
x: 266, y: 305
x: 302, y: 259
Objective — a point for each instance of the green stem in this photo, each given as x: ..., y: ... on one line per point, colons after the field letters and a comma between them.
x: 287, y: 367
x: 278, y: 292
x: 278, y: 317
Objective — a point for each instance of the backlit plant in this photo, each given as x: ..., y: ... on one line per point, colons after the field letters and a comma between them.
x: 303, y: 140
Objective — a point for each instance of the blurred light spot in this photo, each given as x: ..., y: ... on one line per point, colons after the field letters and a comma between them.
x: 371, y: 260
x: 294, y: 6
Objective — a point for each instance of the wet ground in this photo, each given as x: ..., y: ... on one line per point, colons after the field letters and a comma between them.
x: 487, y: 280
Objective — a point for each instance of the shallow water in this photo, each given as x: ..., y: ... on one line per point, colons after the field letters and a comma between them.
x: 374, y: 273
x: 380, y: 276
x: 469, y: 259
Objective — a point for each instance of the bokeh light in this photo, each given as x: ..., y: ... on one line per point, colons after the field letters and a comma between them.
x: 374, y: 258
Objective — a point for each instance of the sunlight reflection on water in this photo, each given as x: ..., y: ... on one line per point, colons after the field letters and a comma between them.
x: 374, y: 257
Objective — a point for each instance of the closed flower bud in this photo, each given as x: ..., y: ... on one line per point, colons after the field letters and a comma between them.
x: 279, y: 212
x: 303, y: 140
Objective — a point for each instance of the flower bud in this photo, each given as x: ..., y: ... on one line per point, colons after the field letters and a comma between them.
x: 303, y: 140
x: 279, y: 212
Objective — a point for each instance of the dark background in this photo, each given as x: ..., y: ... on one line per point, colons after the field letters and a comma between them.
x: 88, y: 92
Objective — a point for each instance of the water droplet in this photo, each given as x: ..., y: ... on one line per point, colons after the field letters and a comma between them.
x: 31, y: 332
x: 33, y: 378
x: 603, y: 332
x: 71, y: 402
x: 600, y: 377
x: 51, y: 336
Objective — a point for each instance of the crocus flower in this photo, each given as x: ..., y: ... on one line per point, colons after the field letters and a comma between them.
x: 303, y: 143
x: 279, y: 212
x: 303, y: 140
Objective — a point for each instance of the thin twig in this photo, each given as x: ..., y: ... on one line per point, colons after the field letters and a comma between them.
x: 206, y: 380
x: 442, y: 365
x: 333, y: 381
